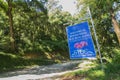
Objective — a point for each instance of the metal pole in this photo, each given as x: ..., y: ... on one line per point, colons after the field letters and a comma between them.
x: 98, y: 46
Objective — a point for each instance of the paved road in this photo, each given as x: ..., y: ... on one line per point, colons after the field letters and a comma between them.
x: 40, y: 72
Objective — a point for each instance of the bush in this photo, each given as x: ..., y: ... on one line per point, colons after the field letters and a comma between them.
x: 11, y: 62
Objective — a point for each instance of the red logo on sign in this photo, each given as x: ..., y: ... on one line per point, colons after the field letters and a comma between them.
x: 80, y: 44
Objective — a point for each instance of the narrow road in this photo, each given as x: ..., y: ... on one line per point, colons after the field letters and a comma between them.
x: 41, y: 72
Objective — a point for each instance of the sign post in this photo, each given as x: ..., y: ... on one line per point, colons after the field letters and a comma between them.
x: 80, y: 41
x: 98, y: 46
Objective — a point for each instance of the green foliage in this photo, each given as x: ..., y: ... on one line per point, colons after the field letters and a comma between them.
x: 3, y: 6
x: 101, y: 15
x: 110, y: 70
x: 38, y: 30
x: 34, y: 30
x: 10, y: 62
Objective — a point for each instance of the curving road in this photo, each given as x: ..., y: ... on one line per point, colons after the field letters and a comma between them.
x: 41, y: 72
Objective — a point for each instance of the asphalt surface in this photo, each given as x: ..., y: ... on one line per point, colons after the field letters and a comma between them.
x: 41, y: 72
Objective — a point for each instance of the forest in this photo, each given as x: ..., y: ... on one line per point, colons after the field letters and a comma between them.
x: 32, y: 32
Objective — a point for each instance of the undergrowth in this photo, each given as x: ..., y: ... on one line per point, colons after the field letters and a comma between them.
x: 111, y: 69
x: 12, y: 62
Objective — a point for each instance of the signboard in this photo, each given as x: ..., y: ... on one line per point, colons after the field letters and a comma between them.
x: 80, y: 41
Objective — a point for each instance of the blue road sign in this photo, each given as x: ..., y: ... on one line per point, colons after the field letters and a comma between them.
x: 80, y: 41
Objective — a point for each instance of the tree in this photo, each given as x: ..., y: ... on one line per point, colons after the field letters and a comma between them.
x: 103, y: 13
x: 24, y: 11
x: 112, y: 11
x: 30, y: 21
x: 7, y: 8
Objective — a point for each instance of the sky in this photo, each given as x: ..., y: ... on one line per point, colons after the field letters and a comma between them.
x: 68, y: 5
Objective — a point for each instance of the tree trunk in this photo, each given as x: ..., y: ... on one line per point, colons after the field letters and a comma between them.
x: 115, y: 25
x: 12, y: 42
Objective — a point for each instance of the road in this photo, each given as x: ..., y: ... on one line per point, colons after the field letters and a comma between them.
x: 42, y: 72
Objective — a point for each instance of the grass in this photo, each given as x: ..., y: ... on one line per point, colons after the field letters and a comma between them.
x: 94, y: 72
x: 111, y: 67
x: 10, y: 62
x: 110, y: 72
